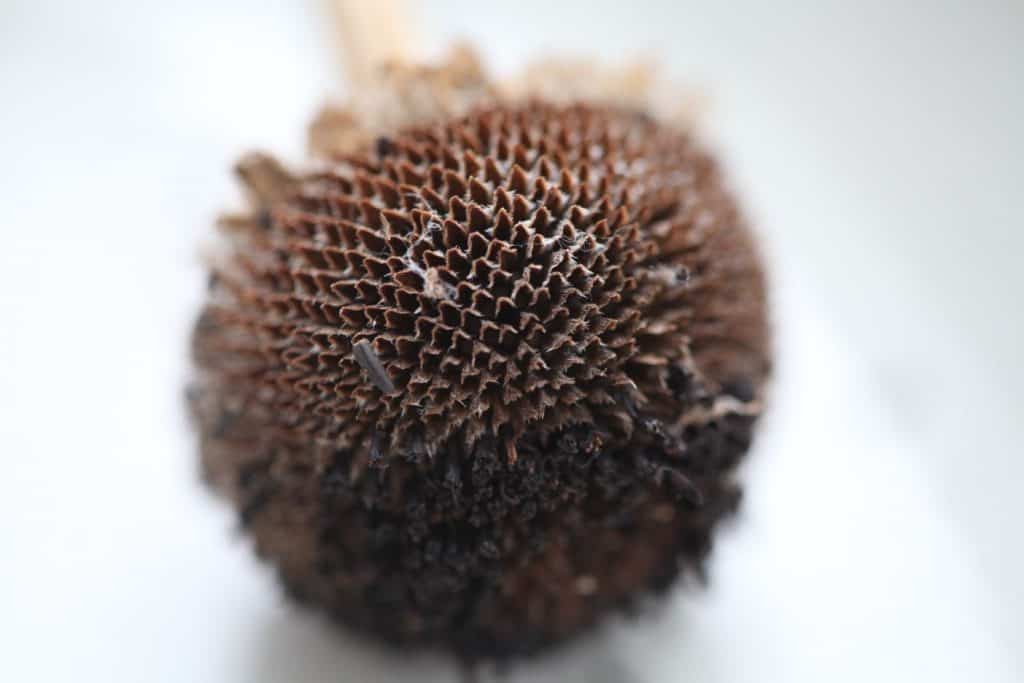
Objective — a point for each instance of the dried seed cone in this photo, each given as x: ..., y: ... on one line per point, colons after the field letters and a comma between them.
x: 487, y: 381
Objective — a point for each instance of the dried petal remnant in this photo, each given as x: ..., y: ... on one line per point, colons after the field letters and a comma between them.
x: 482, y: 378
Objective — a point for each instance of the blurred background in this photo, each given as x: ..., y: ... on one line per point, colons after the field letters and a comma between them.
x: 878, y: 148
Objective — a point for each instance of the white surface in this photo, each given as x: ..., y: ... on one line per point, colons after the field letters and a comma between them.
x: 879, y: 148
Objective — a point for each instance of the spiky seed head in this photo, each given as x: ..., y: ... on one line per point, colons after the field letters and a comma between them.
x: 481, y: 361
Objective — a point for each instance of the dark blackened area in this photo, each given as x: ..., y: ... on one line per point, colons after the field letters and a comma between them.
x: 494, y: 559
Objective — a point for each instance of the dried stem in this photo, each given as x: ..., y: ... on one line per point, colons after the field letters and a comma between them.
x: 372, y: 33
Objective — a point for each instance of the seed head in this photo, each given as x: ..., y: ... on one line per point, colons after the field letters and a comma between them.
x: 481, y: 377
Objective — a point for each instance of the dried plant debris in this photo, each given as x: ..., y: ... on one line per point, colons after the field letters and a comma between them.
x: 486, y: 380
x: 398, y: 93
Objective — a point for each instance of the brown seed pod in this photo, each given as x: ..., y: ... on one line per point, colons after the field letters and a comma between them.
x: 487, y: 380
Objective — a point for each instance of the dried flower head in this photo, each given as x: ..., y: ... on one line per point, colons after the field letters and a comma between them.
x: 485, y: 380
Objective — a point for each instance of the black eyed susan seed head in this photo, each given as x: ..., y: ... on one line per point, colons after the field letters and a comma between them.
x: 487, y: 380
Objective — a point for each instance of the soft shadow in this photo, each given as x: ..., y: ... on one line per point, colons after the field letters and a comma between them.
x: 296, y: 644
x: 596, y: 659
x: 671, y: 642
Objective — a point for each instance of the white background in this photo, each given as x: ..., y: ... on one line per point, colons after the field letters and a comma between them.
x: 879, y: 147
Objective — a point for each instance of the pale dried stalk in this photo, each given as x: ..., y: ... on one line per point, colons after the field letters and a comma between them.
x: 395, y: 86
x: 372, y: 33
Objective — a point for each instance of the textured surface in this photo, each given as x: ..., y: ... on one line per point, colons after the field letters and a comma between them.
x: 489, y: 379
x: 895, y: 414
